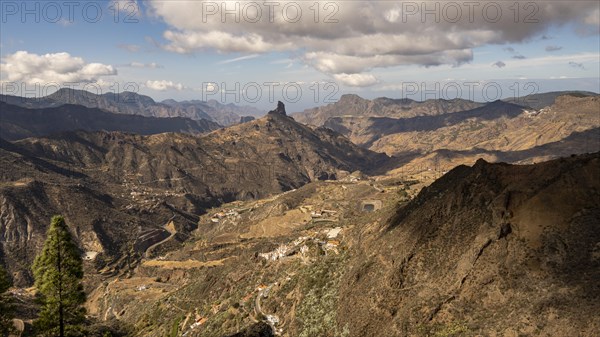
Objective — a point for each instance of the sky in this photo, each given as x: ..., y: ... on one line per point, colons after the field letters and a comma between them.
x: 304, y: 53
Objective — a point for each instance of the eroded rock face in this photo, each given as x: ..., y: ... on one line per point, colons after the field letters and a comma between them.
x: 280, y: 110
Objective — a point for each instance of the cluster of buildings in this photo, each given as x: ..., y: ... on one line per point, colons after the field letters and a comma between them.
x: 217, y: 217
x: 285, y: 250
x: 299, y: 245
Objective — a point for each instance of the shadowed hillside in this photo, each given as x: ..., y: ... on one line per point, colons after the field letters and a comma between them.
x: 18, y: 123
x: 131, y: 103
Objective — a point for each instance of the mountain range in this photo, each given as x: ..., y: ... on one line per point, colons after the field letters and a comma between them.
x: 351, y: 105
x: 18, y: 123
x: 131, y: 103
x: 274, y: 227
x: 497, y: 131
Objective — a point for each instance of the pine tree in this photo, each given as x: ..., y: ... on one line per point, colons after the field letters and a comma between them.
x: 58, y: 272
x: 6, y: 325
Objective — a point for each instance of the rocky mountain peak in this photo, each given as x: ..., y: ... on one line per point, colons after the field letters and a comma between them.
x: 350, y: 98
x: 280, y: 110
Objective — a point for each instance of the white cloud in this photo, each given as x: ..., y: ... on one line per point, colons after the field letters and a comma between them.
x: 152, y: 65
x: 499, y: 64
x: 238, y: 59
x: 392, y: 15
x: 363, y: 35
x: 333, y: 63
x: 356, y: 80
x: 26, y: 67
x: 163, y: 85
x: 187, y: 42
x: 211, y: 87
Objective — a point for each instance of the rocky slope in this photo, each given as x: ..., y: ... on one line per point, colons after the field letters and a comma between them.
x: 494, y: 250
x: 118, y: 188
x: 108, y: 221
x: 18, y: 123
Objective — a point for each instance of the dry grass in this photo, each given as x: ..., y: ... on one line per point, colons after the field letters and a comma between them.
x: 188, y: 264
x: 278, y: 225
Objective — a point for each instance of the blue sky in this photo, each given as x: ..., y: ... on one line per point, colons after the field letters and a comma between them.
x: 174, y: 49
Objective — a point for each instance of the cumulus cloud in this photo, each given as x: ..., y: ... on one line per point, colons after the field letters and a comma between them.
x: 163, y: 85
x: 334, y: 63
x: 26, y: 67
x: 553, y: 48
x: 356, y: 80
x: 499, y: 64
x: 353, y: 37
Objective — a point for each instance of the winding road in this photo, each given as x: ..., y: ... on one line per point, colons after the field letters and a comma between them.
x: 258, y: 310
x: 169, y: 227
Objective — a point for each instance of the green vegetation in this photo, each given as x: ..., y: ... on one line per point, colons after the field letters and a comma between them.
x: 317, y: 311
x: 175, y: 327
x: 5, y: 303
x: 111, y: 328
x: 58, y: 272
